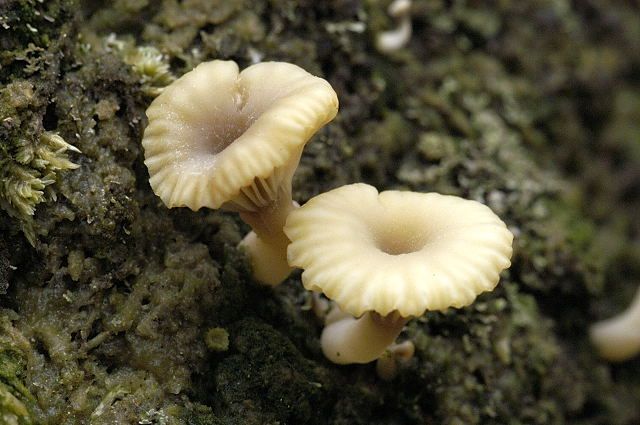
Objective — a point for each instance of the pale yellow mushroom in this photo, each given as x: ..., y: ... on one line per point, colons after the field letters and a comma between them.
x: 220, y: 138
x: 618, y: 338
x: 386, y: 257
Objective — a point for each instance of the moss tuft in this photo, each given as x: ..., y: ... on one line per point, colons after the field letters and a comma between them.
x: 27, y: 171
x: 147, y: 62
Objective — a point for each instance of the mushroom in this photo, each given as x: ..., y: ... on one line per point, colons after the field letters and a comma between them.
x: 618, y: 338
x: 392, y: 40
x: 386, y: 257
x: 394, y: 356
x: 220, y: 138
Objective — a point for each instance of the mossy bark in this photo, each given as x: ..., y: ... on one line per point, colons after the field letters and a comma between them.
x: 530, y: 107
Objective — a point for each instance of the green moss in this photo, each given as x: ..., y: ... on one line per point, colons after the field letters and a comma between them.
x: 138, y: 325
x: 147, y: 62
x: 217, y: 339
x: 32, y: 22
x: 28, y: 169
x: 16, y: 401
x: 198, y: 414
x: 32, y: 157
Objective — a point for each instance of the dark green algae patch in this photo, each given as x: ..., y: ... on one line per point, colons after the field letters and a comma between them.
x: 116, y: 310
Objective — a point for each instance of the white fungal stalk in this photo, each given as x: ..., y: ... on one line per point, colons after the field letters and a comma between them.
x: 389, y: 41
x: 618, y: 338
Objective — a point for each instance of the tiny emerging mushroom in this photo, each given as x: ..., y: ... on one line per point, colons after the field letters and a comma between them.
x: 394, y: 356
x: 392, y: 40
x: 220, y: 138
x: 618, y: 338
x: 386, y: 257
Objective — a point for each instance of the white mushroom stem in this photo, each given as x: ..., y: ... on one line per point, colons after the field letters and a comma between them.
x: 267, y: 244
x: 399, y: 8
x: 389, y: 41
x: 363, y: 340
x: 618, y: 338
x: 394, y: 355
x: 320, y: 306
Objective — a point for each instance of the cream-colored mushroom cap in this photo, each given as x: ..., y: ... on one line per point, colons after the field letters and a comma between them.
x: 219, y: 137
x: 397, y: 251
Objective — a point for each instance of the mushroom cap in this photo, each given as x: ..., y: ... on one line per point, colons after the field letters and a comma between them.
x: 397, y: 251
x: 219, y: 137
